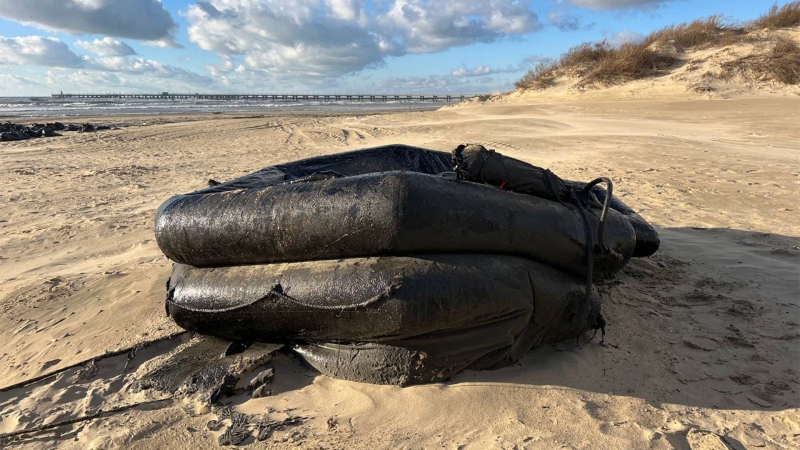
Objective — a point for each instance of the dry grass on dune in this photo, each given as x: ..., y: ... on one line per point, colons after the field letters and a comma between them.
x: 601, y: 63
x: 700, y: 32
x: 540, y: 77
x: 785, y: 17
x: 781, y: 64
x: 629, y: 62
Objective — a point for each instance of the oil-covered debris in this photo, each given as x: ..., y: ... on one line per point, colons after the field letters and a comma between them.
x: 238, y: 428
x: 17, y: 132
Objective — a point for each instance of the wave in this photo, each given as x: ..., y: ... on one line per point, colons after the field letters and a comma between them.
x: 50, y: 106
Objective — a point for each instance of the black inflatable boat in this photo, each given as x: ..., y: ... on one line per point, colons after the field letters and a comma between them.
x: 396, y: 264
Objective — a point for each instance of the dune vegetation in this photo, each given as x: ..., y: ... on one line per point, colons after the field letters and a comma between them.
x: 599, y: 64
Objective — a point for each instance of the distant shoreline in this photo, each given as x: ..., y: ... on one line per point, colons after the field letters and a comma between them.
x: 24, y: 109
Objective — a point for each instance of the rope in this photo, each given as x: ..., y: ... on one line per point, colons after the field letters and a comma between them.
x: 581, y: 201
x: 606, y: 204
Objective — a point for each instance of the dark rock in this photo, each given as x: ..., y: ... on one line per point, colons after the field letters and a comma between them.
x: 16, y: 132
x: 13, y: 136
x: 51, y: 132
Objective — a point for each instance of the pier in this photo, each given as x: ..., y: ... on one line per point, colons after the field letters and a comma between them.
x: 447, y: 98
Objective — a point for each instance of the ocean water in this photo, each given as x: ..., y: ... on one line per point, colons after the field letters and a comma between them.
x: 11, y: 107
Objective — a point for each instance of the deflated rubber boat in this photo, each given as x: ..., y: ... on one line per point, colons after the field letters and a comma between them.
x: 397, y: 265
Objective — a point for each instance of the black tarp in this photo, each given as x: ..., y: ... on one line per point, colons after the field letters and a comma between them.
x: 453, y: 311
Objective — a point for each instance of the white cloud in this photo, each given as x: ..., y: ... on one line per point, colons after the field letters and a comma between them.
x: 107, y: 47
x: 623, y: 37
x: 145, y: 20
x: 432, y: 83
x: 618, y: 4
x: 534, y: 59
x: 94, y: 81
x: 12, y: 82
x: 350, y: 10
x: 163, y: 43
x: 447, y: 84
x: 82, y: 78
x: 434, y: 25
x: 51, y: 52
x: 298, y: 40
x: 331, y: 38
x: 478, y: 71
x: 141, y: 66
x: 37, y: 50
x: 484, y: 70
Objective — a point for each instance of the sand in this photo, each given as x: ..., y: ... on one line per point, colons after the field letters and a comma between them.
x: 703, y: 344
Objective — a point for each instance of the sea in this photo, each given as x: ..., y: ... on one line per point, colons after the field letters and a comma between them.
x: 43, y: 107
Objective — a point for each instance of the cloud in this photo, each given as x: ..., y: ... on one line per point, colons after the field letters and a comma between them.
x: 427, y: 26
x: 310, y: 39
x: 88, y: 80
x: 107, y: 47
x: 484, y: 70
x: 163, y: 43
x: 37, y: 50
x: 145, y: 20
x: 564, y: 21
x: 618, y: 4
x: 623, y: 37
x: 441, y: 84
x: 432, y: 83
x: 478, y: 71
x: 51, y: 52
x: 141, y: 66
x: 332, y: 38
x: 351, y: 10
x: 533, y: 59
x: 82, y: 78
x: 8, y: 80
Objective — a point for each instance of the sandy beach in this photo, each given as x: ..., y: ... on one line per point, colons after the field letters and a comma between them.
x: 703, y: 344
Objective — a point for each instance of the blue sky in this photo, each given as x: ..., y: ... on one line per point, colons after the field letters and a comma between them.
x: 314, y: 46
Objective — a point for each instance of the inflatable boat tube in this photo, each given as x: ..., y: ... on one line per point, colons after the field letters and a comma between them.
x: 461, y: 311
x: 477, y: 164
x: 391, y: 213
x: 472, y: 164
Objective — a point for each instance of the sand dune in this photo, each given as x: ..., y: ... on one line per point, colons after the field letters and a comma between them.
x: 713, y: 70
x: 704, y: 338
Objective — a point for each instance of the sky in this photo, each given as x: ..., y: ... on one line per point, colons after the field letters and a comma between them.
x: 313, y: 46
